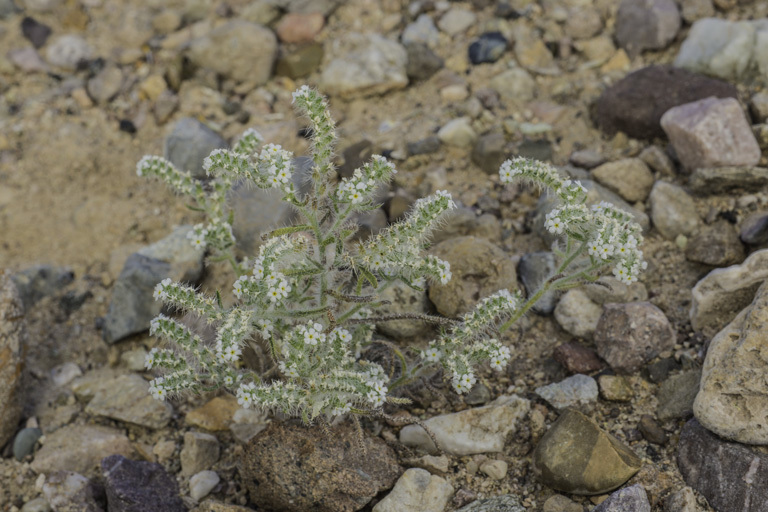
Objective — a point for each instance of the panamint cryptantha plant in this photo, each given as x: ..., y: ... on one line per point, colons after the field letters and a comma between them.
x: 311, y: 293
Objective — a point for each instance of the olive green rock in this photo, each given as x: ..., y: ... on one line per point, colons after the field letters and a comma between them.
x: 578, y: 457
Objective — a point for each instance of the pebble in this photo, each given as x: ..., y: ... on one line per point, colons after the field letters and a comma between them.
x: 534, y: 269
x: 466, y: 222
x: 718, y: 47
x: 577, y: 358
x: 24, y: 442
x: 7, y: 8
x: 634, y: 105
x: 79, y: 448
x: 189, y: 144
x: 533, y: 54
x: 504, y: 503
x: 479, y: 269
x: 299, y: 28
x: 67, y: 491
x: 27, y: 60
x: 134, y: 359
x: 458, y: 133
x: 586, y: 158
x: 514, y: 85
x: 166, y: 21
x: 165, y: 105
x: 137, y: 486
x: 301, y: 62
x: 629, y: 499
x: 683, y: 500
x: 615, y: 388
x: 711, y: 133
x: 68, y: 51
x: 629, y: 177
x: 559, y: 503
x: 496, y: 469
x: 717, y: 245
x: 36, y: 33
x: 200, y: 452
x: 201, y: 484
x: 246, y: 423
x: 609, y: 289
x: 651, y: 430
x: 578, y: 391
x: 424, y: 146
x: 215, y: 415
x: 404, y: 299
x: 646, y: 25
x: 576, y: 456
x: 454, y: 93
x: 417, y: 491
x: 676, y: 395
x: 672, y: 210
x: 721, y: 294
x: 489, y: 47
x: 630, y: 335
x: 577, y: 314
x: 228, y: 50
x: 759, y: 106
x: 38, y: 281
x: 660, y: 370
x: 153, y: 87
x: 37, y: 504
x: 754, y: 229
x: 422, y: 62
x: 692, y: 10
x: 105, y: 85
x: 489, y: 152
x: 476, y: 430
x: 658, y: 160
x: 456, y: 21
x: 369, y: 64
x: 724, y: 180
x: 127, y: 399
x: 422, y: 31
x: 292, y: 467
x: 729, y: 475
x: 12, y: 349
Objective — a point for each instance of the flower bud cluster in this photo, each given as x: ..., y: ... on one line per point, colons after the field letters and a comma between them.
x: 187, y: 298
x: 312, y: 104
x: 181, y: 182
x: 360, y: 187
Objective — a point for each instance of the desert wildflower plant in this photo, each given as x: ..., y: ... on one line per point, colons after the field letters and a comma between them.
x: 311, y: 293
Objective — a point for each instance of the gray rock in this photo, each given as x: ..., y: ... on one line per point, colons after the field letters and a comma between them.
x: 676, y: 395
x: 465, y: 222
x: 576, y: 456
x: 609, y: 289
x: 646, y: 25
x: 404, y: 299
x: 476, y: 430
x: 489, y: 47
x: 722, y: 293
x: 717, y: 245
x: 578, y: 391
x: 534, y: 269
x: 137, y: 486
x: 658, y: 160
x: 683, y: 500
x: 456, y: 21
x: 754, y: 229
x: 24, y: 442
x: 201, y: 484
x: 733, y: 396
x: 577, y: 314
x: 693, y: 10
x: 422, y: 62
x: 718, y: 47
x: 559, y: 503
x: 478, y: 395
x: 417, y: 490
x: 36, y: 505
x: 759, y: 106
x: 229, y: 50
x: 421, y: 31
x: 7, y: 8
x: 66, y: 491
x: 364, y: 65
x: 42, y: 5
x: 189, y: 144
x: 68, y: 51
x: 65, y: 373
x: 27, y: 60
x: 127, y: 398
x: 628, y: 499
x: 201, y: 451
x: 36, y: 33
x: 672, y: 210
x: 586, y: 158
x: 630, y: 335
x: 458, y: 133
x: 40, y: 281
x: 425, y: 146
x: 488, y: 153
x: 79, y: 448
x: 629, y: 177
x: 577, y: 358
x: 12, y: 348
x: 729, y: 475
x: 724, y: 180
x: 105, y: 85
x: 514, y: 85
x: 505, y: 503
x: 711, y: 133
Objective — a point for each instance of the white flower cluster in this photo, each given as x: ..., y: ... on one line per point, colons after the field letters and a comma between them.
x: 364, y: 180
x: 157, y: 389
x: 244, y: 394
x: 158, y: 167
x: 231, y: 334
x: 376, y: 381
x: 500, y: 357
x: 276, y: 164
x: 196, y: 236
x: 161, y: 289
x: 312, y: 333
x: 302, y: 93
x: 464, y: 382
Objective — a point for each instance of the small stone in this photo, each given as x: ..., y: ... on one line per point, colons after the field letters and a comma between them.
x: 559, y: 503
x: 576, y: 313
x: 299, y: 28
x: 37, y: 504
x: 200, y: 452
x: 37, y: 33
x: 630, y: 335
x: 439, y: 465
x: 676, y: 395
x: 478, y: 395
x: 263, y: 12
x: 711, y: 133
x: 488, y: 48
x: 68, y: 51
x: 754, y: 229
x: 300, y: 62
x: 466, y: 222
x: 422, y: 31
x: 134, y: 486
x: 215, y: 415
x: 79, y: 448
x: 7, y: 8
x: 152, y: 87
x: 576, y: 358
x: 202, y: 484
x: 759, y: 106
x: 533, y: 54
x: 456, y: 21
x: 165, y: 105
x: 723, y: 180
x: 583, y: 23
x: 628, y: 499
x: 629, y: 177
x: 534, y: 269
x: 424, y: 146
x: 717, y: 245
x: 354, y: 157
x: 24, y: 442
x: 134, y: 359
x: 660, y: 370
x: 166, y: 22
x: 496, y: 469
x: 514, y: 85
x: 415, y: 490
x: 66, y: 491
x: 127, y: 398
x: 615, y: 388
x: 13, y: 339
x: 189, y: 144
x: 693, y: 10
x: 658, y: 160
x: 476, y: 430
x: 103, y: 87
x: 575, y: 391
x: 578, y: 457
x: 27, y: 60
x: 672, y: 210
x: 646, y: 25
x: 651, y: 430
x: 458, y: 132
x: 586, y: 158
x: 488, y: 153
x: 164, y: 450
x: 504, y: 503
x: 609, y: 289
x: 454, y: 93
x: 683, y: 500
x: 422, y: 62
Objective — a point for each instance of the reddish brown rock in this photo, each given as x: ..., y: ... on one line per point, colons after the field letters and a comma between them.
x: 299, y: 28
x: 576, y: 358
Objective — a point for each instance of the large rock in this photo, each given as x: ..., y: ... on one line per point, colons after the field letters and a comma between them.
x: 672, y: 210
x: 479, y: 269
x: 240, y: 50
x: 138, y: 486
x: 417, y: 491
x: 717, y: 245
x: 722, y: 293
x: 363, y: 65
x: 80, y: 448
x: 189, y: 144
x: 12, y: 341
x: 127, y: 399
x: 634, y: 105
x: 733, y: 395
x: 731, y: 476
x: 711, y: 133
x: 676, y: 395
x: 646, y: 24
x: 288, y: 467
x: 477, y: 430
x: 578, y: 457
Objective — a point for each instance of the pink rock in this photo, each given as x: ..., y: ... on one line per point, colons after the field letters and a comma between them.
x: 711, y: 133
x: 300, y: 28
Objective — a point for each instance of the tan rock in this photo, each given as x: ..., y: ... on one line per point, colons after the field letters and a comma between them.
x: 215, y: 415
x: 12, y: 340
x: 80, y: 448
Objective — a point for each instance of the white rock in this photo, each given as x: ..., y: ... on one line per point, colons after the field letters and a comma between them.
x: 578, y: 314
x: 202, y: 483
x: 672, y: 210
x: 423, y: 31
x: 65, y: 373
x: 577, y: 390
x: 458, y: 132
x: 456, y: 21
x: 417, y: 491
x: 496, y: 469
x: 514, y: 84
x: 68, y: 51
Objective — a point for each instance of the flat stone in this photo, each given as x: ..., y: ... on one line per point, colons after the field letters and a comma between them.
x: 80, y: 448
x: 630, y: 178
x: 201, y: 484
x: 289, y: 467
x: 200, y: 452
x: 672, y: 210
x: 476, y: 430
x: 586, y: 158
x: 628, y: 499
x: 215, y: 415
x: 711, y: 133
x: 583, y: 22
x: 514, y: 85
x: 13, y: 338
x: 577, y: 358
x: 36, y: 33
x: 646, y: 25
x: 66, y: 491
x: 693, y: 10
x: 496, y: 469
x: 578, y: 457
x: 456, y: 21
x: 634, y: 105
x: 609, y: 289
x: 683, y: 500
x: 127, y: 399
x: 717, y: 245
x: 138, y: 486
x: 722, y: 293
x: 417, y: 490
x: 28, y: 60
x: 105, y: 85
x: 578, y: 314
x: 189, y: 144
x: 658, y: 160
x: 534, y: 269
x: 504, y: 503
x: 729, y: 475
x: 575, y: 391
x: 615, y: 388
x: 299, y: 27
x: 559, y: 503
x: 676, y: 395
x: 725, y: 180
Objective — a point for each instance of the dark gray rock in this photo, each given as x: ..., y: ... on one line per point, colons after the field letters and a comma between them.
x: 726, y: 180
x: 731, y: 476
x: 628, y: 499
x: 24, y: 442
x: 634, y: 105
x: 37, y: 33
x: 660, y: 370
x: 646, y: 25
x: 489, y: 47
x: 754, y: 229
x: 478, y: 395
x: 422, y: 62
x: 7, y: 8
x: 189, y: 144
x: 40, y: 281
x: 676, y: 395
x: 717, y: 245
x: 488, y: 153
x: 137, y: 486
x: 425, y: 146
x: 534, y: 269
x: 506, y: 503
x: 355, y: 156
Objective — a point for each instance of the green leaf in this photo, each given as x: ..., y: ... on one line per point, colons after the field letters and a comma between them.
x: 285, y: 231
x: 369, y: 277
x: 195, y: 208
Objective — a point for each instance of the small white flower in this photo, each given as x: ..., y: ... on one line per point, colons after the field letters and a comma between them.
x: 149, y: 360
x: 228, y: 380
x: 432, y: 355
x: 157, y: 390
